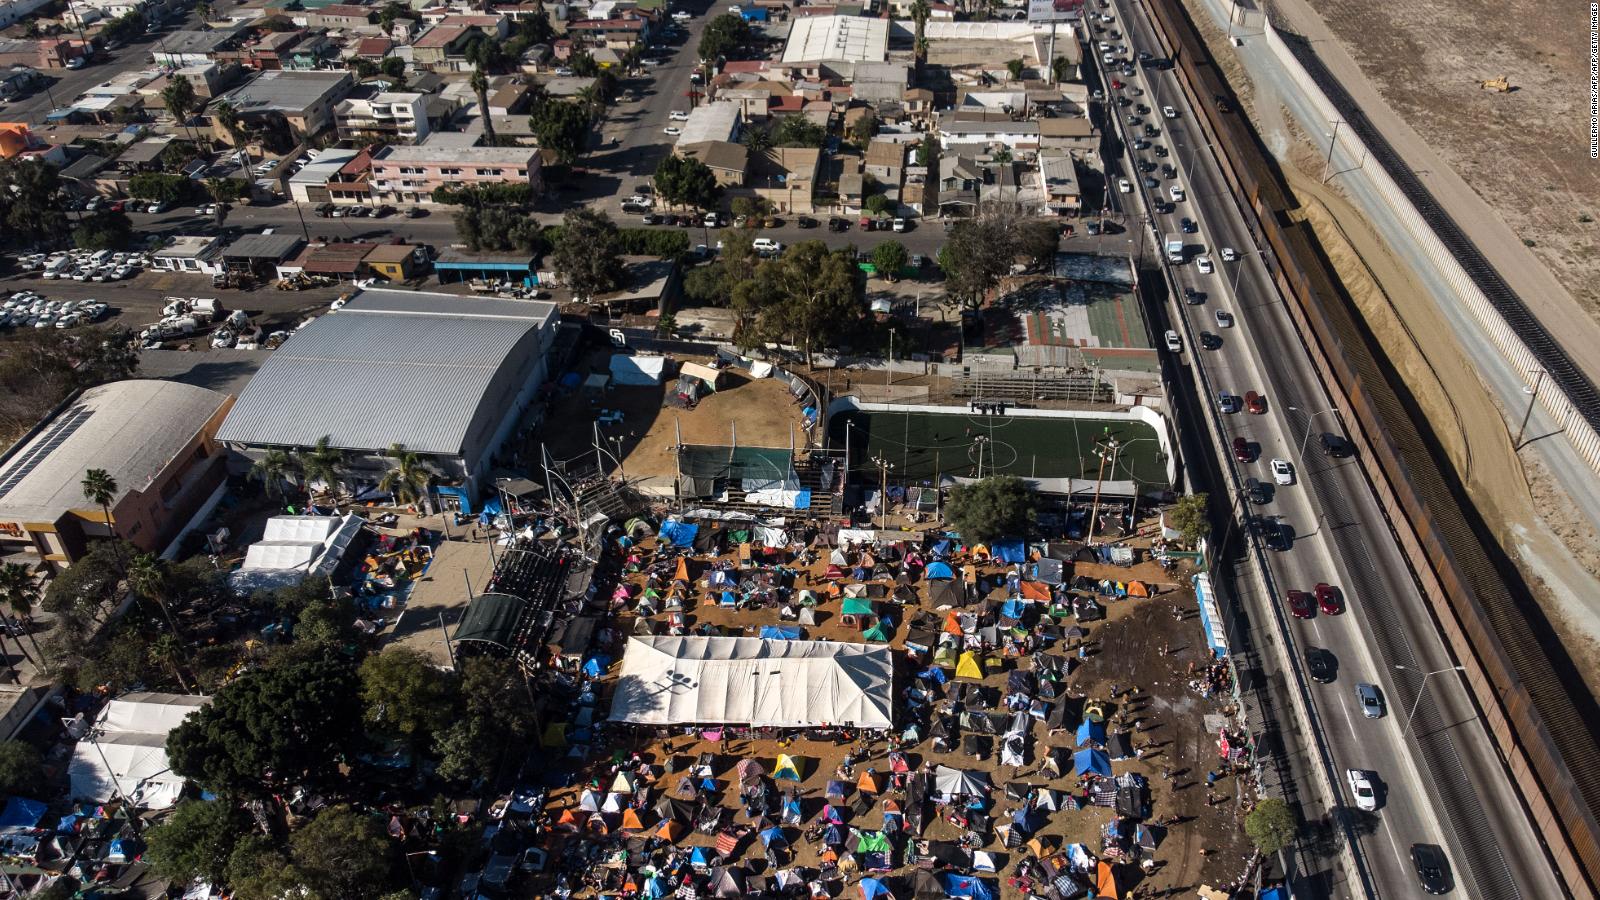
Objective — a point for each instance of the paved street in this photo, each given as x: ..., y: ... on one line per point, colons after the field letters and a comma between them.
x: 1440, y: 779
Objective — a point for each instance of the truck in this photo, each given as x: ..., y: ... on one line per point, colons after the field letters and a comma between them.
x: 1174, y: 250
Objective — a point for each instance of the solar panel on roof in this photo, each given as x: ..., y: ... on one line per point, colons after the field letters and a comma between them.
x: 53, y: 437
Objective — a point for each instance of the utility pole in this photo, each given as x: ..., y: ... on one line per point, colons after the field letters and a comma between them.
x: 1102, y: 447
x: 1533, y: 396
x: 1332, y: 138
x: 883, y: 491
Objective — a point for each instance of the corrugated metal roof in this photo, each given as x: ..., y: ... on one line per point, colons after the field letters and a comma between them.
x: 391, y: 367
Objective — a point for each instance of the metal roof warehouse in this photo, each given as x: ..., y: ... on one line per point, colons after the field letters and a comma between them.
x: 446, y: 376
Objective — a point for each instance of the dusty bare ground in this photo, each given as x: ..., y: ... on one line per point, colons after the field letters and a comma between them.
x: 1527, y: 152
x: 1555, y: 548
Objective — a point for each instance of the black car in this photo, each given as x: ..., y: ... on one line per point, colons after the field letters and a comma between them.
x: 1092, y: 226
x: 1161, y: 151
x: 1336, y: 446
x: 1146, y: 165
x: 1188, y: 225
x: 1151, y: 183
x: 1321, y: 665
x: 1141, y: 144
x: 1276, y: 535
x: 838, y: 224
x: 1433, y: 870
x: 1259, y: 492
x: 1151, y: 131
x: 1209, y: 341
x: 1168, y: 172
x: 806, y: 222
x: 1193, y: 297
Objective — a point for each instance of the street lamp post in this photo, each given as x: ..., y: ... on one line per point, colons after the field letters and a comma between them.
x: 1533, y: 396
x: 1301, y: 456
x: 883, y: 491
x: 1233, y: 287
x: 1422, y: 690
x: 1332, y: 138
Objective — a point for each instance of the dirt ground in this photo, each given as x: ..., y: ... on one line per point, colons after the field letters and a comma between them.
x: 760, y: 410
x: 1527, y: 152
x: 1145, y: 648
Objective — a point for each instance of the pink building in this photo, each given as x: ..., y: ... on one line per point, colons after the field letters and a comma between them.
x: 410, y: 174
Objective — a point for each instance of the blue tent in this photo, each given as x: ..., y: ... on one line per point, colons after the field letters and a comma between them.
x: 934, y: 674
x: 729, y: 598
x: 791, y: 811
x: 1091, y: 761
x: 21, y: 812
x: 965, y: 886
x: 833, y: 835
x: 1013, y: 609
x: 939, y: 570
x: 1022, y: 819
x: 1274, y: 893
x: 1091, y: 732
x: 596, y: 665
x: 657, y: 887
x: 872, y: 889
x: 1009, y: 551
x: 700, y: 856
x: 831, y: 815
x: 781, y: 632
x: 773, y: 835
x: 679, y: 534
x: 942, y: 548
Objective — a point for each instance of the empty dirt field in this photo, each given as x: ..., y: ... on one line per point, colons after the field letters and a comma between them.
x: 1525, y: 152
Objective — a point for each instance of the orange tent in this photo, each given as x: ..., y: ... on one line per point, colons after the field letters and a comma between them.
x: 683, y: 570
x: 572, y: 819
x: 1138, y: 589
x: 671, y: 830
x: 868, y: 783
x: 597, y: 825
x: 1035, y: 590
x: 1106, y: 881
x: 952, y: 623
x: 631, y: 820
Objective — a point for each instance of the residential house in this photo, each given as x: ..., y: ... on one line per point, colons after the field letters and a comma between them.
x: 1058, y: 183
x: 373, y: 49
x: 727, y: 161
x: 395, y: 262
x: 967, y: 130
x: 958, y: 178
x: 47, y: 53
x: 181, y: 49
x: 14, y: 11
x: 275, y: 50
x: 410, y: 174
x: 615, y: 34
x: 143, y: 155
x: 714, y: 121
x: 1074, y: 134
x: 442, y: 48
x: 340, y: 16
x: 787, y: 178
x: 388, y: 116
x: 878, y: 83
x: 886, y: 161
x: 310, y: 184
x: 303, y: 100
x: 352, y: 184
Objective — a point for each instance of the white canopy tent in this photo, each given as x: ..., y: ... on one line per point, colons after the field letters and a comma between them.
x: 295, y: 547
x: 766, y: 683
x: 130, y: 751
x: 637, y: 370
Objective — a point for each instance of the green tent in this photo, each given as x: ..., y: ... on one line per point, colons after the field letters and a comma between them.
x: 857, y: 606
x: 878, y: 632
x: 872, y: 842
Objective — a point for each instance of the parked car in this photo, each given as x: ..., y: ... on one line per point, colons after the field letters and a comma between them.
x: 836, y: 224
x: 672, y: 131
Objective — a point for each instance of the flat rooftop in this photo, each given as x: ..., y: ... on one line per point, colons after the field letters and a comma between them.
x: 837, y: 39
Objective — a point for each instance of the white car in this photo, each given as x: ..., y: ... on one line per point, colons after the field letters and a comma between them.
x: 681, y: 16
x: 1123, y: 186
x: 1361, y: 789
x: 1169, y: 112
x: 766, y: 245
x: 678, y: 115
x: 1224, y: 319
x: 1206, y: 268
x: 1229, y: 254
x: 1282, y: 471
x: 1176, y: 193
x: 1174, y: 343
x: 672, y: 131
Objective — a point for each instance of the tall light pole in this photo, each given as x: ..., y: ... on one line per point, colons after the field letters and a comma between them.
x: 883, y: 491
x: 1233, y: 287
x: 1422, y: 690
x: 1332, y: 138
x: 1301, y: 456
x: 888, y: 370
x: 1533, y: 396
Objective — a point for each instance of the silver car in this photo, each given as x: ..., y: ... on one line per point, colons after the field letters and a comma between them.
x: 1371, y: 700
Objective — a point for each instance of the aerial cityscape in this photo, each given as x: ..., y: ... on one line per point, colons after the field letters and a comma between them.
x: 872, y: 450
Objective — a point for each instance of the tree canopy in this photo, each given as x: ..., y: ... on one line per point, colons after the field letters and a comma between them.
x: 809, y: 297
x: 343, y: 853
x: 1190, y: 517
x: 995, y: 507
x: 723, y: 35
x: 405, y: 694
x: 1270, y: 825
x: 492, y: 720
x: 284, y: 725
x: 30, y: 206
x: 195, y: 841
x: 798, y: 131
x: 587, y: 254
x: 562, y: 127
x: 686, y: 181
x: 888, y: 258
x: 21, y: 768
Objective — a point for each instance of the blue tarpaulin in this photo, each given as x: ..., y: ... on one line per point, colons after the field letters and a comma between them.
x: 679, y: 534
x: 1095, y: 761
x: 872, y: 888
x: 460, y: 493
x: 21, y: 812
x: 774, y: 835
x: 1013, y: 609
x: 596, y: 665
x: 933, y: 674
x: 939, y: 570
x: 1274, y: 893
x: 1091, y: 733
x: 700, y: 856
x: 780, y: 632
x: 965, y: 886
x: 1009, y: 551
x: 942, y: 548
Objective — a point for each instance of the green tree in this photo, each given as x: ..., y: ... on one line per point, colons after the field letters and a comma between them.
x: 500, y: 227
x: 587, y: 255
x: 863, y: 129
x: 169, y: 653
x: 561, y: 127
x: 1270, y: 825
x: 394, y: 68
x: 683, y: 180
x: 1001, y: 155
x: 104, y: 229
x: 274, y: 469
x: 30, y: 206
x: 100, y: 489
x: 344, y: 854
x: 756, y: 138
x: 20, y: 592
x: 889, y: 258
x: 21, y: 769
x: 810, y: 296
x: 998, y: 506
x: 491, y: 722
x: 181, y: 101
x: 323, y: 462
x: 159, y: 186
x: 362, y: 67
x: 226, y: 117
x: 1061, y: 69
x: 920, y: 11
x: 406, y: 695
x: 583, y: 65
x: 1015, y: 68
x: 877, y: 204
x: 116, y: 663
x: 798, y: 131
x: 479, y: 83
x: 927, y: 152
x: 196, y: 841
x: 971, y: 265
x: 410, y: 479
x: 1035, y: 239
x: 288, y: 724
x: 147, y: 575
x: 1191, y: 517
x: 722, y: 36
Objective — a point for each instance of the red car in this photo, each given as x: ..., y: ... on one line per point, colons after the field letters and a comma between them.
x: 1300, y: 604
x: 1241, y: 450
x: 1255, y: 403
x: 1328, y: 599
x: 1116, y: 85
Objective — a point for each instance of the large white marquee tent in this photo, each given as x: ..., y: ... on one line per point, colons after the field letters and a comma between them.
x: 754, y: 681
x: 129, y: 751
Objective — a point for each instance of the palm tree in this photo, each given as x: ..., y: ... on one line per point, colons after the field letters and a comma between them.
x: 203, y: 10
x: 180, y: 100
x: 409, y: 480
x: 590, y: 96
x: 919, y: 15
x: 168, y: 651
x: 272, y: 470
x: 225, y: 115
x: 480, y: 86
x: 100, y: 489
x: 21, y: 593
x: 1015, y: 67
x: 921, y: 49
x: 147, y: 577
x: 322, y: 463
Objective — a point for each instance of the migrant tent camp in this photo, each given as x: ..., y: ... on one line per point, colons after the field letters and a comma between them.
x: 765, y: 683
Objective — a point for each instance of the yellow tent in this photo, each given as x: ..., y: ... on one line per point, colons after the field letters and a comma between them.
x: 555, y: 735
x: 786, y: 768
x: 683, y: 570
x: 969, y: 666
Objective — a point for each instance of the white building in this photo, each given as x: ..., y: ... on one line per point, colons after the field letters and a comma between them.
x: 716, y: 121
x: 199, y: 254
x: 836, y: 43
x: 390, y: 115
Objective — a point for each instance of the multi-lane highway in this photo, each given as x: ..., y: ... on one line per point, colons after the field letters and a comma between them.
x: 1439, y: 778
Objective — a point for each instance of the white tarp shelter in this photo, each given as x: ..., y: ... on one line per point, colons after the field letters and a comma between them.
x: 294, y: 547
x: 712, y: 377
x: 637, y: 370
x: 130, y: 751
x: 766, y: 683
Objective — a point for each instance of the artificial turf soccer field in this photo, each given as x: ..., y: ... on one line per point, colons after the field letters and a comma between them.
x: 922, y: 446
